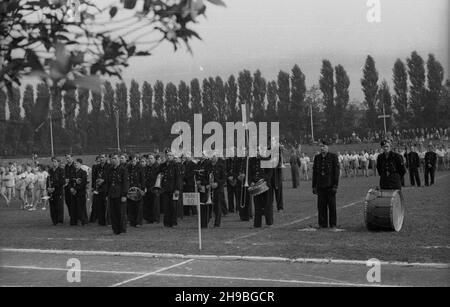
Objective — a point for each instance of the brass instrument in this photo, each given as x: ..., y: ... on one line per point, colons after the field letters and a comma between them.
x: 158, y: 181
x: 281, y: 157
x: 98, y: 182
x: 73, y: 188
x: 50, y: 190
x: 210, y: 190
x: 135, y: 194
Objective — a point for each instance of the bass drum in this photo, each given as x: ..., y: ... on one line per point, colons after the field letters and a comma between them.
x: 384, y: 210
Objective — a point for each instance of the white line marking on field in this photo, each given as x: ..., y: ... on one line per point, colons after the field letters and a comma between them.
x: 223, y: 257
x: 435, y: 247
x: 141, y: 274
x: 152, y: 273
x: 31, y: 267
x: 291, y: 281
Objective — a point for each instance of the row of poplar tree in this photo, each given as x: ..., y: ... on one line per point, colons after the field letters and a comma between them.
x: 85, y: 121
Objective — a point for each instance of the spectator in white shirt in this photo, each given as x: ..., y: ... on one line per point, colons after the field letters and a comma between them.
x: 364, y: 158
x: 304, y: 166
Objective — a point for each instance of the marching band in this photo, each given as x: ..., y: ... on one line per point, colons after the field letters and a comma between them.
x: 128, y: 191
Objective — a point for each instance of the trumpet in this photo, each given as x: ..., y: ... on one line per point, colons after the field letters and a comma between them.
x: 210, y: 191
x: 98, y: 183
x: 282, y: 160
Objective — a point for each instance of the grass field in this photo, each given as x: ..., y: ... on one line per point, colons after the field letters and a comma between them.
x: 425, y: 236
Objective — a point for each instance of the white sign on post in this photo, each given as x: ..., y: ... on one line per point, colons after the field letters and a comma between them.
x: 193, y: 199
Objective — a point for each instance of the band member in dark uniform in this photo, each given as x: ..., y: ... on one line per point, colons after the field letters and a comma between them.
x: 277, y: 182
x: 390, y: 167
x: 217, y: 186
x: 69, y: 176
x: 93, y: 217
x: 180, y: 166
x: 430, y: 165
x: 202, y: 175
x: 117, y: 184
x: 152, y: 213
x: 78, y: 191
x: 189, y: 181
x: 263, y: 202
x: 55, y: 188
x: 99, y: 172
x: 294, y: 161
x: 413, y: 164
x: 137, y: 179
x: 325, y: 183
x: 170, y: 189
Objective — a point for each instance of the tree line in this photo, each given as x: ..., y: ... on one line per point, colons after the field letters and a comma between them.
x: 85, y: 121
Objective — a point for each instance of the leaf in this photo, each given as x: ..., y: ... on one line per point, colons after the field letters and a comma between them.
x: 218, y: 2
x: 142, y: 53
x: 113, y: 11
x: 130, y: 4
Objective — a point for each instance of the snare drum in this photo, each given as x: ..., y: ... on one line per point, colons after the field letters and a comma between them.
x: 384, y: 210
x: 258, y: 188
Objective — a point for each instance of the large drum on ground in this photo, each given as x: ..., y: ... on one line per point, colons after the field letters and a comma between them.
x: 384, y: 210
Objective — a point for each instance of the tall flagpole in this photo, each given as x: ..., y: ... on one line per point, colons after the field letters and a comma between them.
x: 117, y: 130
x: 51, y: 132
x: 50, y: 119
x: 312, y: 125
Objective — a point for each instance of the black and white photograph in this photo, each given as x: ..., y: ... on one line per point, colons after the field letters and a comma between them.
x: 224, y: 150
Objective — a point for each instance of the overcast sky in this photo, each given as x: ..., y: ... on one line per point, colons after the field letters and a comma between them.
x: 276, y: 34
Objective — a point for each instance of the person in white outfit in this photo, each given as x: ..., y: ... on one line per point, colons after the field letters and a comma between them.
x: 304, y: 166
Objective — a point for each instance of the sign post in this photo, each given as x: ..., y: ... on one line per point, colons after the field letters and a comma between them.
x: 193, y: 199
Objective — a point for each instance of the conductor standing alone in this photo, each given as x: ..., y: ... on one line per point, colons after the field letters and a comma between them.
x: 325, y: 183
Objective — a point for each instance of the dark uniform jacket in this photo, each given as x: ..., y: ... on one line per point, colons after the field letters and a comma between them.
x: 325, y: 171
x: 430, y: 160
x: 151, y: 173
x: 189, y: 176
x: 218, y: 171
x: 99, y: 171
x: 80, y: 182
x: 412, y: 160
x: 203, y: 170
x: 277, y: 178
x: 391, y: 169
x: 117, y: 182
x: 171, y: 177
x: 230, y: 170
x: 137, y: 176
x: 69, y: 173
x: 56, y: 179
